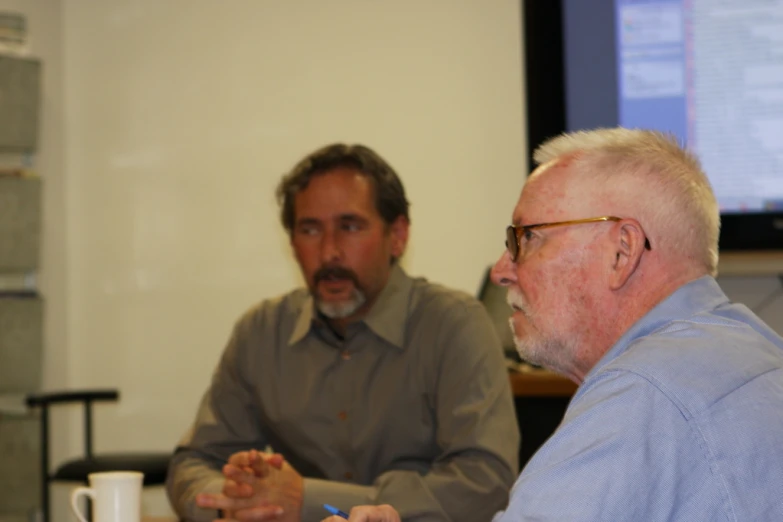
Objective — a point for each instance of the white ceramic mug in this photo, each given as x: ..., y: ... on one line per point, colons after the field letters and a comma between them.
x: 116, y: 496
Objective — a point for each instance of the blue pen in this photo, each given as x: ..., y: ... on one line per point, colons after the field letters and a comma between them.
x: 334, y: 511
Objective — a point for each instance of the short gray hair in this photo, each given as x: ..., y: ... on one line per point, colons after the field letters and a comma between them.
x: 670, y: 194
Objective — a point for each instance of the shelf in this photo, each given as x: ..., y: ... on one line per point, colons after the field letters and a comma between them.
x: 540, y: 383
x: 751, y: 263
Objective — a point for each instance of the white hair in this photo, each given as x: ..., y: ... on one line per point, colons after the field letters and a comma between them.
x: 658, y: 180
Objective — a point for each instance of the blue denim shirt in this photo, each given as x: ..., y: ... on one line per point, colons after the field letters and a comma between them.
x: 681, y: 420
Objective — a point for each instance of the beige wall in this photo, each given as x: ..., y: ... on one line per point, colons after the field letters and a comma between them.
x: 180, y: 118
x: 166, y: 127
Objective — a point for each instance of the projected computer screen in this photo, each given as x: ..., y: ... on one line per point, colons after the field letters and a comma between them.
x: 709, y: 71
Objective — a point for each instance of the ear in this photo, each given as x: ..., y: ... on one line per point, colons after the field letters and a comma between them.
x: 399, y: 236
x: 629, y: 247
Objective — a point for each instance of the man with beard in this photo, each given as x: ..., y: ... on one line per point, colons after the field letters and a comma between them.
x: 374, y: 387
x: 610, y: 266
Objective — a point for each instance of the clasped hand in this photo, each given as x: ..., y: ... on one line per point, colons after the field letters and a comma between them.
x: 258, y: 486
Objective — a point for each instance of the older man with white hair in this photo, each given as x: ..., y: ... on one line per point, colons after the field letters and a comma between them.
x: 610, y: 267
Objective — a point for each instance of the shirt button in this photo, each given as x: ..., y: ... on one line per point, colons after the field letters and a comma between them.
x: 348, y: 475
x: 342, y: 415
x: 345, y: 355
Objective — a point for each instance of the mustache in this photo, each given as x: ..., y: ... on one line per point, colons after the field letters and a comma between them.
x: 515, y: 300
x: 336, y: 272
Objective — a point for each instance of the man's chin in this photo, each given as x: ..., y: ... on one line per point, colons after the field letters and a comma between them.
x: 339, y: 309
x: 548, y: 354
x: 526, y: 351
x: 530, y: 347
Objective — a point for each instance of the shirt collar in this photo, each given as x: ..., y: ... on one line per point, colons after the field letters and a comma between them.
x: 389, y: 315
x: 690, y: 299
x: 386, y: 318
x: 303, y: 322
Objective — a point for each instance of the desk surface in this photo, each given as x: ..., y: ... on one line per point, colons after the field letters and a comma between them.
x: 530, y: 382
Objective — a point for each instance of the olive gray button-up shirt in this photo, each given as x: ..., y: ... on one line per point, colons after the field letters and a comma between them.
x: 412, y: 408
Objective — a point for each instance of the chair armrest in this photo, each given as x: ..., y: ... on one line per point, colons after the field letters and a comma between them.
x: 46, y: 398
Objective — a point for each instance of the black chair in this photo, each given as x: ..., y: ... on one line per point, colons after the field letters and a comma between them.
x: 153, y: 465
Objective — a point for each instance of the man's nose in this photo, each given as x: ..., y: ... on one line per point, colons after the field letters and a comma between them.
x: 503, y: 273
x: 330, y: 248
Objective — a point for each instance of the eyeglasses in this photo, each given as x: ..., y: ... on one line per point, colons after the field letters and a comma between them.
x: 515, y: 234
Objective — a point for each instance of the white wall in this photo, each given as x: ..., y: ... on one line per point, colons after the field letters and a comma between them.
x: 180, y: 117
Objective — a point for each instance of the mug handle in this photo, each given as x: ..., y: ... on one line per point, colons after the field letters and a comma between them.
x: 75, y: 494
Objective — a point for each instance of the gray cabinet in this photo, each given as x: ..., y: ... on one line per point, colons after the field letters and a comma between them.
x: 21, y: 308
x: 20, y: 224
x: 20, y: 93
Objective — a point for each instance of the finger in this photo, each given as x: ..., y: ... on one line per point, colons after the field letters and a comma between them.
x: 244, y: 459
x: 382, y: 513
x: 253, y: 458
x: 264, y: 463
x: 239, y: 476
x: 250, y: 462
x: 234, y: 489
x: 231, y: 470
x: 206, y: 500
x: 260, y: 466
x: 240, y: 459
x: 276, y: 460
x: 259, y: 513
x: 212, y: 501
x: 238, y: 464
x: 253, y: 455
x: 235, y: 473
x: 389, y: 513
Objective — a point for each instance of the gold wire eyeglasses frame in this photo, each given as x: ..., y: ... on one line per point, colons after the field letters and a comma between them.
x: 514, y: 233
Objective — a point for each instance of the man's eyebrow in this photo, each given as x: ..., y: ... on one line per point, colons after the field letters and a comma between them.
x: 307, y: 221
x: 351, y: 217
